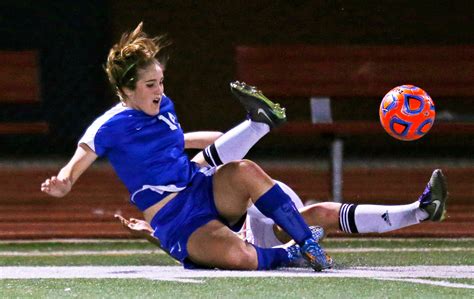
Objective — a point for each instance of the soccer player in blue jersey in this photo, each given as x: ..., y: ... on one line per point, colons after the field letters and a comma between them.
x: 192, y: 210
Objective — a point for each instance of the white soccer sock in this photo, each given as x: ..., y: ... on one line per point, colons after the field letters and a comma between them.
x: 235, y: 143
x: 379, y: 218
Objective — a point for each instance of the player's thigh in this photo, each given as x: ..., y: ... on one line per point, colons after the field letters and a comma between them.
x: 215, y: 245
x: 235, y: 184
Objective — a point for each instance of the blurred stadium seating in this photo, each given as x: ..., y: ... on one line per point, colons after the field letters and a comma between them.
x: 71, y: 46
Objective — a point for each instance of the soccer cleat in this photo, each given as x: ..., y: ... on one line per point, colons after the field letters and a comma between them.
x: 433, y: 199
x: 295, y: 257
x: 317, y: 232
x: 258, y: 106
x: 295, y: 253
x: 316, y: 256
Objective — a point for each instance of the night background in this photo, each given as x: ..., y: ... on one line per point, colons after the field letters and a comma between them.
x: 53, y: 85
x: 73, y: 39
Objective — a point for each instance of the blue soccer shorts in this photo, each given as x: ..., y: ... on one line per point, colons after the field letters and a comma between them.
x: 189, y: 210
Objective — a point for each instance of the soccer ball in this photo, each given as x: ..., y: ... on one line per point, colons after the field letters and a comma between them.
x: 407, y: 112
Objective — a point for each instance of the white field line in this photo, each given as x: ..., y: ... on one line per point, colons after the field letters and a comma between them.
x: 431, y: 282
x: 413, y: 274
x: 158, y: 251
x: 154, y: 272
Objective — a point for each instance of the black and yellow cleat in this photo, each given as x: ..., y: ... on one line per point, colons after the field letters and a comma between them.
x: 258, y: 106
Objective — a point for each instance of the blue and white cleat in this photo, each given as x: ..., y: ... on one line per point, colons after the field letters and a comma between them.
x: 303, y: 258
x: 433, y: 199
x: 258, y: 106
x: 296, y: 259
x: 317, y: 258
x: 317, y: 232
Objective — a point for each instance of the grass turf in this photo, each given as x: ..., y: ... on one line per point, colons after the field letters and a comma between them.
x: 226, y: 288
x: 464, y: 254
x: 244, y: 287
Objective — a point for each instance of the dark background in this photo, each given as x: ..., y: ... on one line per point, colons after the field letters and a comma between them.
x: 74, y: 37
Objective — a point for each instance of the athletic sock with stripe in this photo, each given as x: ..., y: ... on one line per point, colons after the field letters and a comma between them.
x: 235, y: 143
x: 355, y: 218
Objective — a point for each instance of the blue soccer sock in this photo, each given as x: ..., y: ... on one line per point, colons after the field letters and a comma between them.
x: 277, y: 205
x: 271, y: 258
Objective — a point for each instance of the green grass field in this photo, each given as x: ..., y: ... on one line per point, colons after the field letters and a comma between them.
x: 365, y: 268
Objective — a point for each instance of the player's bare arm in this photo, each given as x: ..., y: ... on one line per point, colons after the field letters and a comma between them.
x: 61, y: 184
x: 200, y: 139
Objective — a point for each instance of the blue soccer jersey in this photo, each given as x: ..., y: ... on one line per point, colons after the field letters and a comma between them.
x: 147, y: 152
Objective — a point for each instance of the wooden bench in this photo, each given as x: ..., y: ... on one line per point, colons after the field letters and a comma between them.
x: 20, y: 86
x: 322, y: 73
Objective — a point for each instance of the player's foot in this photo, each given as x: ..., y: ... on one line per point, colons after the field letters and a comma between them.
x: 258, y: 106
x: 316, y: 256
x: 296, y: 259
x: 433, y: 199
x: 296, y: 255
x: 317, y: 232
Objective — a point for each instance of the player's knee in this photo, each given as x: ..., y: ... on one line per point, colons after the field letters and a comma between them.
x: 246, y: 171
x: 241, y: 258
x: 250, y: 169
x: 327, y: 210
x: 330, y: 209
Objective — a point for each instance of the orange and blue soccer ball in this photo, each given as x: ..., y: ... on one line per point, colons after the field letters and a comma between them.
x: 407, y: 112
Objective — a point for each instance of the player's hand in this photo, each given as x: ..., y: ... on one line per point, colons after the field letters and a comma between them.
x: 56, y: 187
x: 135, y: 226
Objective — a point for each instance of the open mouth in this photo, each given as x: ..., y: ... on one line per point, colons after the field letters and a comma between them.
x: 157, y: 101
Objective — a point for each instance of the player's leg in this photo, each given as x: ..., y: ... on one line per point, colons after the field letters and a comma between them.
x: 215, y: 245
x: 379, y: 218
x: 263, y: 231
x: 236, y: 182
x: 362, y: 218
x: 260, y: 230
x: 263, y: 115
x: 234, y: 144
x: 330, y: 216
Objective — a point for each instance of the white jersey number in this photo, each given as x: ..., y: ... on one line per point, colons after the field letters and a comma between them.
x: 171, y: 122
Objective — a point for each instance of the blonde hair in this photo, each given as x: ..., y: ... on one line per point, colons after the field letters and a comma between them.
x: 134, y: 51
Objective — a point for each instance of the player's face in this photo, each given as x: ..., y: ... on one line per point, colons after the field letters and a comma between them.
x: 148, y: 92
